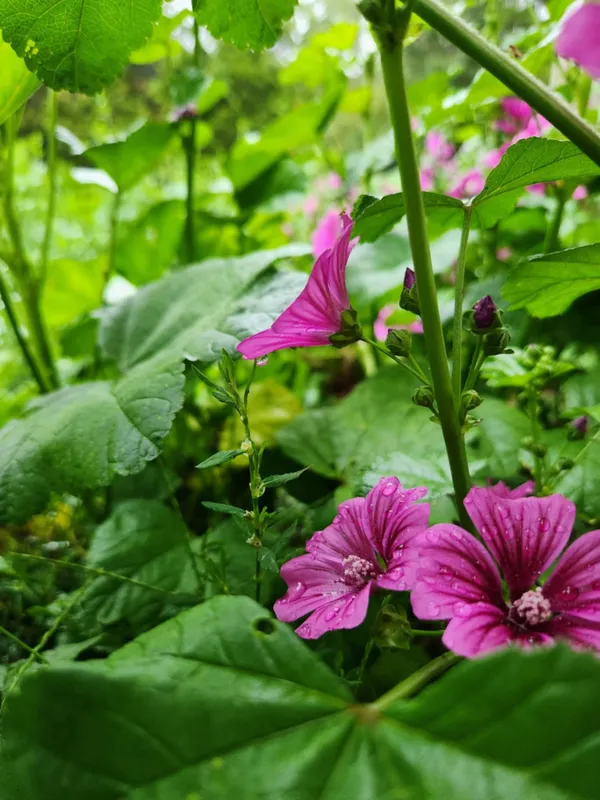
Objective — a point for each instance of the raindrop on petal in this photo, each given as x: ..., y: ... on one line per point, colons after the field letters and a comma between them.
x: 433, y: 536
x: 462, y: 609
x: 389, y: 488
x: 433, y: 609
x: 569, y: 593
x: 296, y: 591
x: 543, y: 525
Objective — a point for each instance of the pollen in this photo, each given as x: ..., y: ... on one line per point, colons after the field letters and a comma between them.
x: 532, y: 607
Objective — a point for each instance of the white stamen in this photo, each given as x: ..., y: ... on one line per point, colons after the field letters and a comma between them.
x: 532, y: 607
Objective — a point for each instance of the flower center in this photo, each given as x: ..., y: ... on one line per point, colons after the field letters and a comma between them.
x: 532, y: 608
x: 357, y: 570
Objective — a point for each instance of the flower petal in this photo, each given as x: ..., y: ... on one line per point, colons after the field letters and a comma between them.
x: 480, y: 630
x: 579, y: 39
x: 502, y: 490
x: 525, y: 536
x: 392, y: 517
x: 579, y: 633
x: 574, y: 586
x: 347, y: 611
x: 346, y: 536
x: 268, y: 341
x: 453, y: 570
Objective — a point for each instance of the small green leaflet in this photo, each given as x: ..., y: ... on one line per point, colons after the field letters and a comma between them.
x: 79, y: 45
x: 375, y: 217
x: 274, y: 481
x: 220, y: 458
x: 546, y: 285
x: 224, y: 508
x: 17, y: 83
x: 254, y: 24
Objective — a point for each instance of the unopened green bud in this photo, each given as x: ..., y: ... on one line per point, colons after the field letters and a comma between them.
x: 409, y: 299
x: 424, y: 397
x: 496, y: 342
x: 469, y: 401
x: 565, y: 464
x: 349, y: 332
x: 399, y: 343
x: 540, y: 450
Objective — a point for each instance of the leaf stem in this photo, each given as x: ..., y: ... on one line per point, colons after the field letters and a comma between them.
x: 391, y: 51
x: 255, y: 480
x: 459, y: 298
x: 22, y: 644
x: 546, y: 102
x: 410, y: 363
x: 535, y: 435
x: 417, y: 681
x: 51, y: 160
x: 112, y: 240
x: 431, y: 634
x: 476, y: 363
x: 552, y: 240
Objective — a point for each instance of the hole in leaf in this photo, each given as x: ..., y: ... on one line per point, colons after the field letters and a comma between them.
x: 264, y: 625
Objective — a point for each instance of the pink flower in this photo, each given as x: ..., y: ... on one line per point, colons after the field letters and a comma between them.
x: 469, y: 186
x: 342, y: 567
x: 327, y: 232
x: 537, y: 188
x: 457, y: 578
x: 516, y: 115
x: 503, y: 253
x: 494, y: 157
x: 438, y: 147
x: 535, y: 127
x: 381, y: 328
x: 310, y: 206
x: 580, y: 193
x: 579, y: 39
x: 316, y: 314
x: 426, y: 179
x: 334, y: 181
x: 500, y: 489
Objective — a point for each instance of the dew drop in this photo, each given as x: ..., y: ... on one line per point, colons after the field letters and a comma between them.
x: 433, y: 609
x: 503, y: 511
x: 456, y: 535
x: 457, y: 585
x: 543, y: 525
x: 303, y: 630
x: 569, y: 593
x: 433, y: 536
x: 485, y: 530
x: 330, y: 615
x: 261, y: 362
x: 397, y: 573
x: 283, y: 601
x: 462, y: 609
x: 591, y: 567
x: 468, y: 500
x: 389, y: 488
x: 297, y: 591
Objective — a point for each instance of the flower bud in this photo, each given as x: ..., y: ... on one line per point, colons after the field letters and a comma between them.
x: 540, y: 450
x: 424, y: 397
x: 496, y: 342
x: 579, y: 427
x: 399, y: 343
x: 484, y: 312
x: 392, y: 628
x: 469, y: 401
x: 349, y: 332
x: 565, y: 464
x: 409, y: 299
x: 186, y: 112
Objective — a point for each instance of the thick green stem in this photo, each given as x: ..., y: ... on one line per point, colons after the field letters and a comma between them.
x: 552, y: 240
x: 459, y: 297
x: 546, y: 102
x: 28, y: 354
x: 51, y: 208
x: 417, y: 681
x: 393, y: 74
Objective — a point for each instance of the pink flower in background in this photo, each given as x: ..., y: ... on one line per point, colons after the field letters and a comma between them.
x: 316, y: 314
x: 580, y: 193
x: 469, y: 186
x: 579, y: 38
x: 535, y: 127
x: 426, y: 179
x: 334, y: 181
x: 381, y: 328
x: 438, y: 147
x: 342, y: 568
x: 503, y: 253
x: 516, y: 115
x: 457, y: 577
x: 326, y: 233
x: 537, y: 188
x: 494, y: 157
x: 310, y: 206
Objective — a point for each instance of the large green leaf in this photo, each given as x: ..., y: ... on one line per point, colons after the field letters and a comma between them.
x: 224, y: 702
x: 71, y: 289
x: 129, y: 161
x: 582, y: 483
x: 79, y: 45
x: 17, y: 83
x: 198, y: 311
x: 535, y: 161
x: 374, y: 217
x: 81, y: 437
x: 142, y: 540
x: 546, y: 285
x: 245, y: 23
x: 497, y: 439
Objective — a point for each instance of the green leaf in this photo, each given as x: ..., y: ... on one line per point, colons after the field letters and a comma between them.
x: 149, y: 246
x: 79, y: 45
x: 127, y: 162
x: 546, y: 285
x: 224, y: 701
x: 273, y: 481
x: 535, y: 161
x: 196, y: 312
x: 224, y: 508
x: 377, y: 268
x: 498, y: 438
x: 17, y: 83
x: 142, y: 540
x: 81, y: 437
x: 254, y: 24
x: 72, y: 289
x: 219, y: 458
x: 374, y: 219
x: 582, y: 483
x: 161, y: 44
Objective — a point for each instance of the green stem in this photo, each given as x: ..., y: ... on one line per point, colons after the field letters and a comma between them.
x: 113, y: 240
x: 552, y: 240
x: 255, y: 481
x: 476, y: 363
x: 409, y: 363
x: 51, y: 209
x: 546, y: 102
x: 393, y: 73
x: 417, y: 681
x: 459, y: 298
x: 189, y: 147
x: 22, y: 644
x: 431, y: 634
x: 535, y: 435
x: 28, y: 354
x: 585, y: 91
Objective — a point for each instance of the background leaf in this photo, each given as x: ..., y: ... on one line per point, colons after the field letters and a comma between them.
x: 17, y: 83
x: 245, y: 23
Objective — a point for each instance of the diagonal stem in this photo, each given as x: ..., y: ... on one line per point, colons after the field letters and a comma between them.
x: 417, y: 681
x: 459, y: 298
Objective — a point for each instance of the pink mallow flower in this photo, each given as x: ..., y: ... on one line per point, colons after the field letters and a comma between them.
x: 579, y: 39
x: 438, y: 147
x: 457, y: 577
x: 468, y: 186
x: 327, y: 232
x: 426, y: 179
x: 316, y: 314
x: 580, y: 193
x: 516, y: 115
x: 381, y: 328
x: 361, y: 551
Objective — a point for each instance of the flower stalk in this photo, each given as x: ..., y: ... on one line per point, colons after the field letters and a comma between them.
x: 417, y: 681
x: 459, y: 297
x: 391, y: 51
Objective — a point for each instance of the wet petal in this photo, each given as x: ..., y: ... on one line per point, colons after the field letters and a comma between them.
x: 502, y: 490
x: 574, y: 586
x: 346, y: 536
x: 525, y: 536
x: 453, y: 570
x: 477, y: 632
x: 347, y: 611
x: 579, y: 39
x: 265, y: 342
x: 579, y: 633
x: 392, y: 517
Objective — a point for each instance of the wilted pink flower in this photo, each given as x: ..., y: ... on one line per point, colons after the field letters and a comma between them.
x: 326, y: 233
x: 316, y: 314
x: 381, y: 328
x: 579, y: 39
x: 469, y: 186
x: 426, y: 179
x: 580, y: 193
x: 503, y: 253
x: 438, y: 147
x: 361, y: 551
x: 457, y: 578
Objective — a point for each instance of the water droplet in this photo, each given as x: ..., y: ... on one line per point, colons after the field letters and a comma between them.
x: 296, y: 591
x: 330, y: 615
x: 468, y: 500
x: 397, y: 573
x: 283, y: 601
x: 429, y: 579
x: 260, y: 362
x: 457, y: 585
x: 457, y: 535
x: 518, y: 517
x: 337, y: 519
x: 462, y: 609
x: 503, y: 511
x: 389, y: 488
x: 433, y: 536
x: 527, y: 532
x: 433, y: 609
x: 485, y: 530
x: 543, y: 525
x: 568, y: 594
x: 591, y: 567
x: 399, y: 552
